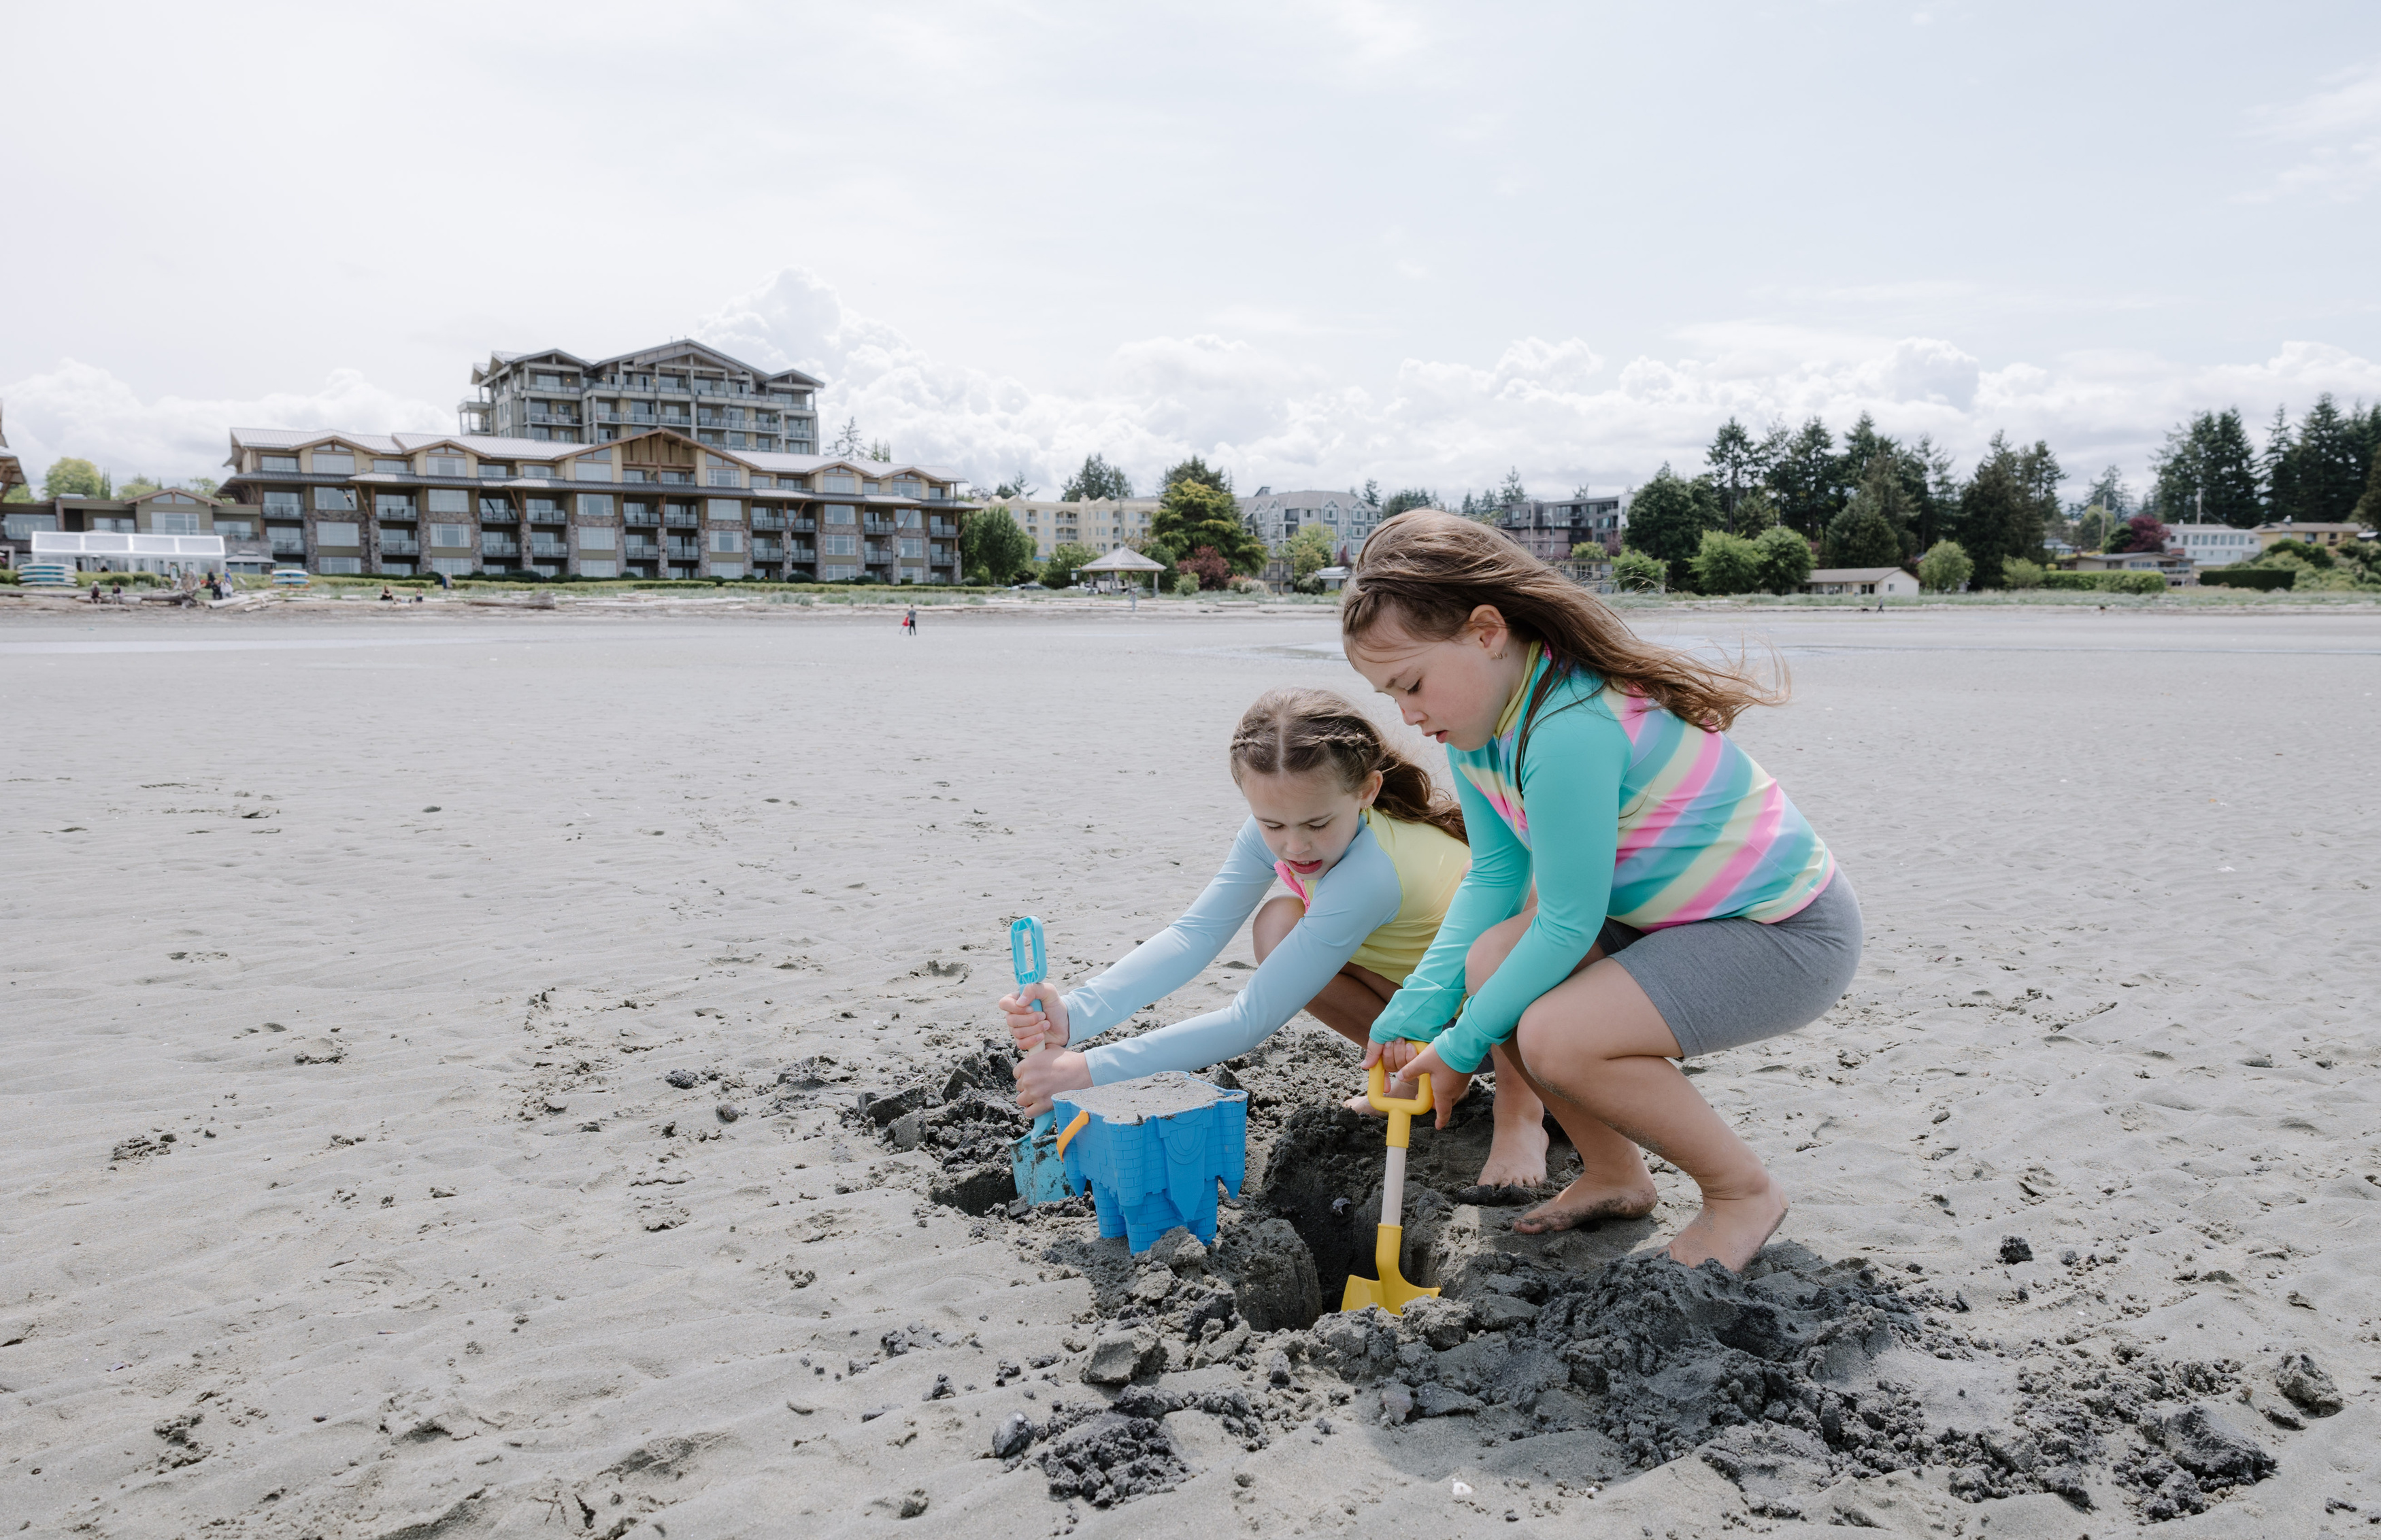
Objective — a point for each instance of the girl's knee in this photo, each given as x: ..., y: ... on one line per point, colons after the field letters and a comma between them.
x: 1273, y: 922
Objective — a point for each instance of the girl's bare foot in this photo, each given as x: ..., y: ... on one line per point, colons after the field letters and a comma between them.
x: 1587, y: 1201
x: 1517, y: 1155
x: 1733, y: 1228
x: 1363, y: 1106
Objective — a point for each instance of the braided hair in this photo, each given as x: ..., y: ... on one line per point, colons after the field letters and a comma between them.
x: 1299, y: 731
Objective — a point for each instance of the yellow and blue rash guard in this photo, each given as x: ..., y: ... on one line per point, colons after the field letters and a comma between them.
x: 1378, y: 907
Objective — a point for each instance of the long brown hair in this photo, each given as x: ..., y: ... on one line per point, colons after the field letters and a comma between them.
x: 1427, y: 570
x: 1299, y: 731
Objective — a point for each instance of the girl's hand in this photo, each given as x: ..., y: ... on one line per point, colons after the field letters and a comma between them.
x: 1041, y: 1076
x: 1397, y: 1055
x: 1446, y: 1086
x: 1034, y: 1029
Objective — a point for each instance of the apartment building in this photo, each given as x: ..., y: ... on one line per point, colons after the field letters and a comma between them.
x: 1275, y: 516
x: 1101, y: 524
x: 656, y: 504
x: 12, y: 469
x: 167, y: 512
x: 1549, y: 530
x: 721, y: 403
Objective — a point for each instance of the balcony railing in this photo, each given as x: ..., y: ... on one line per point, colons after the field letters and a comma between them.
x: 498, y: 516
x: 546, y: 515
x: 549, y: 550
x: 289, y: 547
x: 642, y: 521
x: 801, y: 553
x: 766, y: 550
x: 400, y: 546
x: 642, y: 550
x: 942, y: 526
x: 685, y: 550
x: 558, y: 419
x: 768, y: 521
x: 807, y: 526
x: 671, y: 388
x: 498, y: 547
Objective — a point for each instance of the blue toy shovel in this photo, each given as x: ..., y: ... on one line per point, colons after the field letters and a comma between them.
x: 1038, y: 1161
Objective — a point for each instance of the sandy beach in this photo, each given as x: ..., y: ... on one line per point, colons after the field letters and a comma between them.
x: 436, y: 1044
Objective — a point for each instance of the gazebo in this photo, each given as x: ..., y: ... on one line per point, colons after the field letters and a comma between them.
x: 1120, y: 561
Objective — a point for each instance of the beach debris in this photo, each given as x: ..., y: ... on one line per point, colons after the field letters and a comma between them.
x: 728, y: 1112
x: 1013, y: 1436
x: 913, y: 1502
x: 2308, y: 1385
x: 1119, y: 1358
x: 683, y: 1080
x: 1459, y: 1488
x: 140, y: 1146
x: 321, y: 1050
x: 180, y: 1447
x: 2015, y: 1248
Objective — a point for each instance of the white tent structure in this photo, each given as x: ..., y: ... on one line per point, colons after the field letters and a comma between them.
x: 94, y: 550
x: 1118, y: 562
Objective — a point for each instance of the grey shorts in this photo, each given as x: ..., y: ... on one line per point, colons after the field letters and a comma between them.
x: 1721, y: 984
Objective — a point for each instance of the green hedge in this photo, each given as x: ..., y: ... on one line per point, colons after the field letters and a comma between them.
x: 2263, y: 577
x: 2107, y: 583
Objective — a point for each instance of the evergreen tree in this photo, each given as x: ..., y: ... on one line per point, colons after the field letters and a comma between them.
x: 1512, y: 492
x: 2110, y: 492
x: 1736, y: 465
x: 2327, y: 471
x: 1755, y: 512
x: 1195, y: 512
x: 2275, y: 470
x: 1096, y: 480
x: 1372, y: 495
x: 1411, y: 497
x: 1804, y: 476
x: 1668, y: 516
x: 2001, y: 510
x: 1016, y: 486
x: 1872, y: 530
x: 1196, y: 469
x: 2368, y: 508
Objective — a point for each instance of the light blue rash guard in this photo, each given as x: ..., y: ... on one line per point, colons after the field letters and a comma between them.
x: 1357, y: 896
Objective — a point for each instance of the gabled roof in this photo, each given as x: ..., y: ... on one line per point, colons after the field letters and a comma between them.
x: 1855, y: 574
x: 179, y: 493
x: 488, y: 447
x: 658, y: 356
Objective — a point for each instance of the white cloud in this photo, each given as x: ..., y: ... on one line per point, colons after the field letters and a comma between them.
x: 2339, y: 130
x: 80, y: 408
x: 1553, y: 408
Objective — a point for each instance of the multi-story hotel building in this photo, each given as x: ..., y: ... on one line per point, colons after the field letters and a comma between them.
x: 1549, y: 531
x: 1100, y: 524
x: 559, y: 397
x: 656, y: 503
x: 1346, y: 518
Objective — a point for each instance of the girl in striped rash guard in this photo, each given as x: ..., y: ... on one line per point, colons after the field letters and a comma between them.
x: 1682, y: 904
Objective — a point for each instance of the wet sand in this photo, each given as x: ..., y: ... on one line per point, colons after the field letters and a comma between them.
x: 434, y: 1042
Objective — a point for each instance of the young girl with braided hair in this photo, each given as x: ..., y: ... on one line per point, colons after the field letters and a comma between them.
x: 1371, y: 853
x: 1682, y: 905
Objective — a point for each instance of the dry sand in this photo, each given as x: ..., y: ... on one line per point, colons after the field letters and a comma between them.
x: 345, y: 1193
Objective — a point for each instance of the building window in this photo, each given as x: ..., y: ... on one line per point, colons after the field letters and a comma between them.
x: 394, y: 466
x: 724, y: 508
x: 339, y: 567
x: 913, y: 548
x: 599, y: 569
x: 446, y: 465
x: 173, y: 523
x: 334, y: 462
x: 454, y: 567
x: 284, y: 504
x: 538, y: 472
x: 392, y: 506
x: 236, y: 529
x: 593, y: 469
x: 335, y: 500
x: 839, y: 544
x: 336, y: 534
x: 20, y: 526
x: 278, y: 463
x: 726, y: 569
x: 840, y: 513
x: 839, y: 481
x: 595, y: 504
x: 832, y: 574
x: 724, y: 475
x: 493, y: 472
x: 450, y: 499
x: 603, y: 539
x: 452, y: 537
x: 727, y: 542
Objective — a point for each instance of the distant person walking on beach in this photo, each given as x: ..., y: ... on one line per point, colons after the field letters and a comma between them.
x: 1371, y: 853
x: 910, y: 621
x: 1682, y: 904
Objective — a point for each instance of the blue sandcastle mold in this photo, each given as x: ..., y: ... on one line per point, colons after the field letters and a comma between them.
x: 1152, y: 1151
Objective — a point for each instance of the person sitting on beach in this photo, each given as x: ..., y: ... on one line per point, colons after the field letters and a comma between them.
x: 1682, y: 905
x: 1371, y: 853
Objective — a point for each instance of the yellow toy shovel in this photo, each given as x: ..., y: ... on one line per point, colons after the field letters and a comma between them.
x: 1392, y: 1291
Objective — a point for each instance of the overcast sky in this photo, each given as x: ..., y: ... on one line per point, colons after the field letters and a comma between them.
x: 1315, y: 242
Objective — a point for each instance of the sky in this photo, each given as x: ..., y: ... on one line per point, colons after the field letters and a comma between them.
x: 1314, y: 242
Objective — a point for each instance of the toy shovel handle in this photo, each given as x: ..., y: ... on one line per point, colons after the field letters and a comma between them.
x: 1029, y: 956
x: 1376, y: 1092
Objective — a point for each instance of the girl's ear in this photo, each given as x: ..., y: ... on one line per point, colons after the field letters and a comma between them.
x: 1370, y: 792
x: 1487, y: 628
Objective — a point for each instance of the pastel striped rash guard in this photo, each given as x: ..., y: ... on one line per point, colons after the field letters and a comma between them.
x: 1621, y: 809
